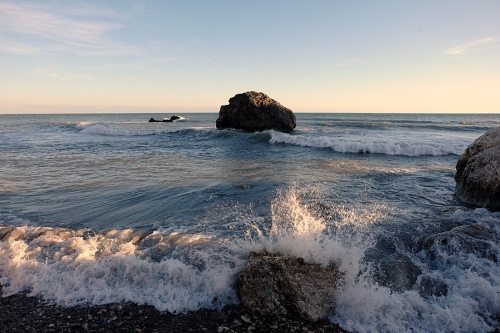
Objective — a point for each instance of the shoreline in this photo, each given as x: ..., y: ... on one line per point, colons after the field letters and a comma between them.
x: 24, y: 313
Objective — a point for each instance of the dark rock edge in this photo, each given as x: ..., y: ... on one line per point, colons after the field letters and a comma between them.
x: 22, y: 313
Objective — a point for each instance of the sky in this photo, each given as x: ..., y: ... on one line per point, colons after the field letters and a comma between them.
x: 192, y: 56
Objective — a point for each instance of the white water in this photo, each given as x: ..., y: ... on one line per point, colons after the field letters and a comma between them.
x: 179, y: 271
x: 386, y: 145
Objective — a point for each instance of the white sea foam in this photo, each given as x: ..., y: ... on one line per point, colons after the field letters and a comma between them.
x: 177, y: 271
x: 71, y: 268
x: 473, y: 296
x: 378, y: 146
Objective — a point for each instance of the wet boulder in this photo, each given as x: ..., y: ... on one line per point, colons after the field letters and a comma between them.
x: 274, y: 284
x: 255, y: 111
x: 478, y: 172
x: 466, y: 239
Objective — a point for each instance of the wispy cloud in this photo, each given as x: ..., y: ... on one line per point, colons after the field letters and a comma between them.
x: 465, y: 47
x: 53, y: 73
x: 34, y: 29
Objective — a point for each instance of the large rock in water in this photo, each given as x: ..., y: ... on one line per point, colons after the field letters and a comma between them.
x: 478, y: 172
x: 273, y: 284
x: 255, y: 111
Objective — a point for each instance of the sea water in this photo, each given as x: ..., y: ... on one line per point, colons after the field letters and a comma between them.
x: 99, y: 208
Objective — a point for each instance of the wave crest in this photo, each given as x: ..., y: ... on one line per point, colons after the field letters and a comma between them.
x: 369, y: 146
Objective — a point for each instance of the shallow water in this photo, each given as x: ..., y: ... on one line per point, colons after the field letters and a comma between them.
x: 107, y: 208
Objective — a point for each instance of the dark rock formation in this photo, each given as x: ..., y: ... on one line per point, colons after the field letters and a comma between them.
x: 165, y: 120
x: 255, y: 111
x: 465, y: 238
x: 273, y: 284
x: 478, y: 172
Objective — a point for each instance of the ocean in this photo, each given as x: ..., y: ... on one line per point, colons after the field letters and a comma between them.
x: 100, y: 208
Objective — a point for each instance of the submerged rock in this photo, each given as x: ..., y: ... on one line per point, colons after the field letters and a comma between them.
x: 478, y: 172
x: 273, y: 284
x: 255, y: 111
x: 397, y: 272
x: 465, y: 238
x: 383, y: 258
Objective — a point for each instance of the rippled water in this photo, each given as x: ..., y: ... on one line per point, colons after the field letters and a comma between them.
x: 104, y: 208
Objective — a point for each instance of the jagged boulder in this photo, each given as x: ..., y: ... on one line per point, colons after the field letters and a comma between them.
x: 478, y: 172
x: 255, y: 111
x: 274, y: 284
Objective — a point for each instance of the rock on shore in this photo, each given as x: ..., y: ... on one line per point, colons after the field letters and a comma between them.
x: 478, y: 172
x: 273, y: 284
x: 255, y: 111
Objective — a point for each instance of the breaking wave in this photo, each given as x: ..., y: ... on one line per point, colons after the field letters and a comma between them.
x: 182, y: 270
x: 376, y: 146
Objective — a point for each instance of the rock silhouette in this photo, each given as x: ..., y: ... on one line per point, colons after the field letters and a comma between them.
x: 254, y: 112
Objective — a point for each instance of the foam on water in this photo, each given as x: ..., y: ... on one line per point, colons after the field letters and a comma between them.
x: 174, y: 270
x: 74, y: 267
x: 179, y: 270
x: 471, y: 301
x: 373, y: 145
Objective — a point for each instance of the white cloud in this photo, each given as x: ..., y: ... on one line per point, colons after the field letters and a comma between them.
x: 40, y: 29
x: 51, y: 72
x: 11, y: 46
x: 465, y: 47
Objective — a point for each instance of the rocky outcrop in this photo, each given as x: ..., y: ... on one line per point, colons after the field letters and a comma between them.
x: 255, y: 111
x: 164, y: 120
x: 478, y: 172
x: 273, y: 284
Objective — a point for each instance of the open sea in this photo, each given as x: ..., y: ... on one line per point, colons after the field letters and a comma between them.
x: 100, y: 208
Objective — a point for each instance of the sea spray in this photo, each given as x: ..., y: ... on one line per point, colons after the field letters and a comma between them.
x: 174, y: 270
x: 182, y: 269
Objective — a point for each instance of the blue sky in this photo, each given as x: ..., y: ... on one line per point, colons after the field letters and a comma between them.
x: 192, y: 56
